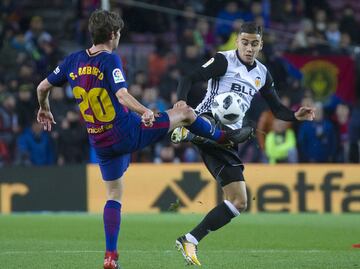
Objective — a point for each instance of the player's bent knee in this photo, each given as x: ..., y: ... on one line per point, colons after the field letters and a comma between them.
x: 114, y: 190
x: 114, y: 195
x: 189, y: 115
x: 240, y: 204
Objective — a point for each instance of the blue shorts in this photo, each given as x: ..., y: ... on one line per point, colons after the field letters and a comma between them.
x: 115, y: 159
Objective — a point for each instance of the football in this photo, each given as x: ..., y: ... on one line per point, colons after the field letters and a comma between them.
x: 226, y: 108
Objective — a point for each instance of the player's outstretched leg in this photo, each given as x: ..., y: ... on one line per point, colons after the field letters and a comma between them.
x: 188, y: 250
x: 204, y: 128
x: 218, y: 217
x: 181, y: 134
x: 185, y: 116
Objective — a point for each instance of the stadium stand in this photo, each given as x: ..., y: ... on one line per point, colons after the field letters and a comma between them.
x: 161, y: 41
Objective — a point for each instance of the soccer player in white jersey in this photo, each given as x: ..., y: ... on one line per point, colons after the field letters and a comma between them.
x: 231, y: 71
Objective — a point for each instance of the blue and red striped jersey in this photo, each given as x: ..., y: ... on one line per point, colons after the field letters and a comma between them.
x: 94, y: 79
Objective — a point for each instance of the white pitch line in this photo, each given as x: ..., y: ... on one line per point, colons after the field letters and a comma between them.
x: 26, y: 252
x: 264, y: 251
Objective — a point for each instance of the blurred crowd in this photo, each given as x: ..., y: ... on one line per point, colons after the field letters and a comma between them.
x: 157, y: 48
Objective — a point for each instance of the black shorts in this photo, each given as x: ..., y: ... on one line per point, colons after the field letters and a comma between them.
x: 223, y: 163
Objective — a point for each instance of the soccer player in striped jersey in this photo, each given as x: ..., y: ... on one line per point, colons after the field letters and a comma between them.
x: 240, y: 72
x: 117, y: 124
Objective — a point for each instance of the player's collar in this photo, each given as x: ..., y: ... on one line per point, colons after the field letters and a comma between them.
x: 96, y: 52
x: 248, y: 66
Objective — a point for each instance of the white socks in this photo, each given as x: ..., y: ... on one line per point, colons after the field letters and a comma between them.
x: 189, y: 237
x: 232, y: 208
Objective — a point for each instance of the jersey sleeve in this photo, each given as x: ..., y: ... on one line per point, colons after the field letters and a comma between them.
x: 269, y: 82
x: 269, y: 93
x: 58, y: 76
x: 215, y: 67
x: 115, y: 74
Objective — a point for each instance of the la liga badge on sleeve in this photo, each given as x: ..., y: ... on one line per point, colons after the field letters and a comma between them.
x: 117, y: 75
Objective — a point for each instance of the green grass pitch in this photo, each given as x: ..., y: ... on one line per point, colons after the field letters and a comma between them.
x: 266, y: 241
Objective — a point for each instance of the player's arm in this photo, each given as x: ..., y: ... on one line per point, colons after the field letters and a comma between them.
x: 44, y: 115
x: 280, y: 111
x: 118, y: 86
x: 56, y: 78
x: 126, y: 99
x: 215, y: 67
x: 43, y: 91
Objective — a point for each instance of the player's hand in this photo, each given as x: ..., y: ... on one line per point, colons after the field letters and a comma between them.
x: 305, y: 113
x: 148, y: 118
x: 180, y: 103
x: 46, y: 118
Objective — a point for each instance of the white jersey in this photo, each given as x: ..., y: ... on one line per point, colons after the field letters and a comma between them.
x: 246, y: 83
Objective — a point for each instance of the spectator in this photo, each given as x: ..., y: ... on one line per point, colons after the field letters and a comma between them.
x: 190, y: 155
x: 27, y: 74
x: 203, y: 37
x: 152, y: 100
x: 286, y: 11
x: 73, y: 146
x: 26, y: 105
x: 230, y: 44
x: 168, y: 85
x: 191, y: 59
x: 225, y: 19
x: 280, y: 143
x: 9, y: 126
x: 35, y: 36
x: 5, y: 157
x: 348, y: 24
x: 266, y: 122
x: 166, y: 154
x: 159, y: 61
x: 35, y: 146
x: 8, y: 51
x: 354, y: 134
x: 189, y: 20
x: 59, y: 104
x: 141, y: 79
x: 257, y: 11
x: 136, y: 90
x: 317, y: 139
x: 320, y: 20
x: 84, y: 9
x: 50, y: 56
x: 333, y: 34
x: 345, y: 44
x: 184, y: 152
x: 18, y: 43
x: 3, y: 90
x: 301, y: 39
x: 341, y: 120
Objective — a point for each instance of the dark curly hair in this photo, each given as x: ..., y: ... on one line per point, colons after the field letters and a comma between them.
x: 102, y: 23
